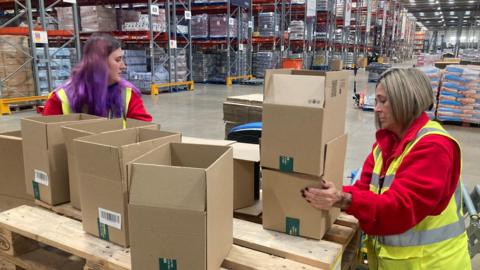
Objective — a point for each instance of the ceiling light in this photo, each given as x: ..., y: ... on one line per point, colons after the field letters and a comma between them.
x: 422, y: 14
x: 436, y: 2
x: 439, y: 8
x: 452, y: 13
x: 467, y: 12
x: 471, y: 1
x: 427, y: 21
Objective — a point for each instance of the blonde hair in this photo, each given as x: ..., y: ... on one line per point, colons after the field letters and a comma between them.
x: 409, y: 93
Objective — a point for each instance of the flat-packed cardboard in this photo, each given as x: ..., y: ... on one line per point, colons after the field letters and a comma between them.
x: 45, y: 156
x: 337, y: 65
x: 102, y: 165
x: 72, y: 132
x: 246, y: 174
x: 180, y: 210
x: 193, y: 140
x: 237, y: 112
x: 301, y: 118
x: 285, y: 210
x: 12, y: 173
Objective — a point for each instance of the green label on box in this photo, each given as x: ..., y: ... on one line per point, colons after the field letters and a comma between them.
x: 285, y: 164
x: 36, y: 190
x: 103, y: 231
x: 292, y: 226
x: 168, y: 264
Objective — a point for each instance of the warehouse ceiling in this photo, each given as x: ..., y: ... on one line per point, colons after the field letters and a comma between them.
x: 444, y: 14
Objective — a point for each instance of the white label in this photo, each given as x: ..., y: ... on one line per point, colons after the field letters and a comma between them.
x: 41, y: 177
x: 282, y: 48
x: 188, y: 15
x: 288, y: 30
x: 250, y: 24
x: 40, y: 37
x: 173, y: 44
x: 276, y: 28
x: 348, y: 12
x: 311, y: 8
x: 309, y: 48
x: 70, y: 1
x: 110, y: 218
x: 240, y: 47
x: 231, y: 21
x: 155, y: 10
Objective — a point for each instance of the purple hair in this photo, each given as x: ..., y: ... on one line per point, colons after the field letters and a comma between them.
x: 88, y: 85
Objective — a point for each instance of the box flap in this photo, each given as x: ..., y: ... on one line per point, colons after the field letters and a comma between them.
x: 146, y: 134
x: 296, y: 90
x: 246, y: 151
x: 168, y: 187
x: 11, y: 134
x: 335, y: 152
x: 196, y: 155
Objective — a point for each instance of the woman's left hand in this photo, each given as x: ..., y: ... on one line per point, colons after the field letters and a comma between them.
x: 323, y: 197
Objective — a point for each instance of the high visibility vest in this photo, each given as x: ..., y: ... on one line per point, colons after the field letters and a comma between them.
x: 437, y: 242
x: 126, y: 96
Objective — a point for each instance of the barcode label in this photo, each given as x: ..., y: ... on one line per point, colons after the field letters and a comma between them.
x: 41, y: 177
x: 110, y: 218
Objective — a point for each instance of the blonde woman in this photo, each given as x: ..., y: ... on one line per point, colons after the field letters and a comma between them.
x: 408, y: 199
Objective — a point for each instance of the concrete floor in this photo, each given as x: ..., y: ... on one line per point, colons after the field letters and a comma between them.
x: 199, y: 113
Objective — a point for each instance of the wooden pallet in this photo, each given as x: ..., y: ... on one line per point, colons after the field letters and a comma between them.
x: 35, y: 238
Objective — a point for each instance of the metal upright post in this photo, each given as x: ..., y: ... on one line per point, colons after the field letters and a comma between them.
x: 228, y: 40
x: 32, y: 46
x: 76, y: 27
x: 41, y: 11
x: 459, y: 33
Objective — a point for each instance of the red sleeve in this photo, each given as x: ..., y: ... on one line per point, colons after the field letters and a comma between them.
x: 53, y: 106
x: 136, y: 108
x: 423, y: 185
x: 364, y: 182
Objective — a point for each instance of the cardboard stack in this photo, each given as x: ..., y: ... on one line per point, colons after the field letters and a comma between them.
x: 45, y: 156
x: 102, y: 161
x: 303, y: 141
x: 238, y: 110
x: 180, y: 208
x: 75, y: 131
x: 92, y: 18
x: 20, y: 83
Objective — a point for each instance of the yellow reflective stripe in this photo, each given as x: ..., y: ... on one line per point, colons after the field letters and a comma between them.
x: 127, y: 96
x: 432, y: 229
x: 64, y: 99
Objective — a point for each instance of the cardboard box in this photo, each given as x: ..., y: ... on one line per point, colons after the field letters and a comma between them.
x: 236, y: 112
x: 285, y: 210
x: 45, y: 156
x: 85, y: 129
x: 181, y: 208
x: 246, y: 174
x: 336, y: 65
x: 102, y: 164
x: 299, y: 129
x: 362, y: 62
x: 12, y: 173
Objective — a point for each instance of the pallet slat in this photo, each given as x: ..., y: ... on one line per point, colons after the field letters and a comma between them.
x: 65, y: 234
x: 241, y: 258
x: 44, y: 259
x: 318, y: 253
x: 252, y: 249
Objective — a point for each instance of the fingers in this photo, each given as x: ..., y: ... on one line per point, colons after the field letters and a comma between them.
x: 319, y: 198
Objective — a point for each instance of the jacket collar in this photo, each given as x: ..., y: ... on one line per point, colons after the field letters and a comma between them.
x: 390, y: 144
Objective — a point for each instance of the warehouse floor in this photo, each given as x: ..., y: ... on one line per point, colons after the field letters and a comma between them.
x: 199, y: 113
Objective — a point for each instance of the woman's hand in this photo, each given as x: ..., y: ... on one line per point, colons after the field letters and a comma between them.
x: 326, y: 196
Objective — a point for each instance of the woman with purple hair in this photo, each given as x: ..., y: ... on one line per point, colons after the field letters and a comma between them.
x: 96, y: 85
